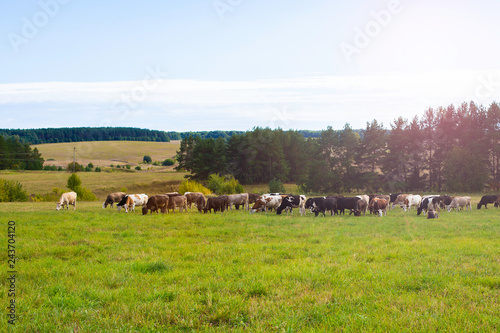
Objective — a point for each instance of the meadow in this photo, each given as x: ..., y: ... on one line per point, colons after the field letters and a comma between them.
x: 99, y: 270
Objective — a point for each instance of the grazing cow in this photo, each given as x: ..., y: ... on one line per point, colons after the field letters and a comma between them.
x: 322, y: 204
x: 215, y: 203
x: 237, y: 200
x: 293, y: 201
x: 400, y: 200
x: 112, y: 198
x: 347, y: 203
x: 68, y: 198
x: 265, y: 202
x: 380, y: 206
x: 393, y: 197
x: 424, y: 205
x: 156, y: 202
x: 312, y: 203
x: 412, y: 200
x: 366, y: 198
x: 177, y: 201
x: 459, y: 203
x: 375, y: 196
x: 431, y: 214
x: 192, y: 197
x: 132, y: 200
x: 489, y: 199
x: 361, y: 206
x: 201, y: 202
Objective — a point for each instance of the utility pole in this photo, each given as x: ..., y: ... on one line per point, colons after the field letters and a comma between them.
x: 74, y: 159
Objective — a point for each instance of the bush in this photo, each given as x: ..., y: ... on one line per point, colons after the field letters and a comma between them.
x: 73, y: 182
x: 224, y: 184
x: 97, y: 169
x: 138, y: 168
x: 90, y: 165
x: 147, y: 159
x: 78, y: 167
x: 127, y: 166
x: 168, y: 162
x: 276, y: 186
x: 84, y: 194
x: 193, y: 186
x: 11, y: 190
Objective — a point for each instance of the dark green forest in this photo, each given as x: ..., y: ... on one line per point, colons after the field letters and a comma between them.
x: 449, y: 148
x: 15, y: 154
x: 77, y: 134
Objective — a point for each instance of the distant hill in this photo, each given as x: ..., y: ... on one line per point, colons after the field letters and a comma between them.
x: 80, y: 134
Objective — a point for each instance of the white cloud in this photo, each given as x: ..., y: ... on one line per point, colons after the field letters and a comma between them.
x: 181, y: 105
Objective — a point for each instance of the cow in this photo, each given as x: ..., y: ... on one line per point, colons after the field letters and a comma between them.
x: 489, y: 199
x: 380, y: 206
x: 192, y: 197
x: 431, y: 214
x: 393, y: 197
x: 68, y: 198
x: 293, y: 201
x: 400, y: 200
x: 377, y: 196
x: 361, y: 207
x: 215, y: 203
x: 177, y: 201
x: 347, y: 203
x: 112, y: 198
x: 460, y: 202
x: 366, y: 198
x: 201, y: 201
x: 225, y: 201
x: 237, y: 200
x: 424, y: 205
x: 312, y: 203
x: 155, y: 203
x: 412, y: 200
x: 132, y: 200
x: 267, y: 201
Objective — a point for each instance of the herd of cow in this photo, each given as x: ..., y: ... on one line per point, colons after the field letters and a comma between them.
x: 431, y: 205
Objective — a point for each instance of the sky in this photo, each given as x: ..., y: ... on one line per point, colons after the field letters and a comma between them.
x: 198, y: 65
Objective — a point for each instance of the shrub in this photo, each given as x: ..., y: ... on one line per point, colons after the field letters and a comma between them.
x: 168, y: 162
x: 224, y: 184
x: 97, y: 169
x: 84, y: 194
x: 78, y: 167
x: 138, y: 168
x: 276, y: 186
x: 147, y: 159
x: 193, y: 186
x: 127, y: 166
x: 156, y: 163
x: 90, y: 165
x: 11, y: 190
x: 73, y: 182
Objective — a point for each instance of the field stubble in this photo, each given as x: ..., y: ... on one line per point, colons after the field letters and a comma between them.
x: 100, y: 270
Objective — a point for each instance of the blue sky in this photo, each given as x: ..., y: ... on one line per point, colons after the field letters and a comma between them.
x: 236, y: 64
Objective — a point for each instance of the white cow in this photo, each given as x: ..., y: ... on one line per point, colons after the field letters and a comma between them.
x: 266, y: 201
x: 460, y: 202
x: 134, y: 200
x: 412, y: 200
x: 68, y: 198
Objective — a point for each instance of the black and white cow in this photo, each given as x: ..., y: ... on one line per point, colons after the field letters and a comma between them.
x: 293, y: 201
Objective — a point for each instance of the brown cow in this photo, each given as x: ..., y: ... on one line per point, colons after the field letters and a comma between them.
x: 215, y: 203
x: 112, y: 198
x: 201, y: 202
x: 177, y: 201
x: 252, y: 197
x: 380, y: 206
x: 156, y: 202
x: 192, y: 197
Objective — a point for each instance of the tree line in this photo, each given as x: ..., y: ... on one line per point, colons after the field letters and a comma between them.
x: 448, y: 148
x: 15, y: 154
x: 78, y: 134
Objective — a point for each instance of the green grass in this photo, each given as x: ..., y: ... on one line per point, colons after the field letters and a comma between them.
x: 100, y: 270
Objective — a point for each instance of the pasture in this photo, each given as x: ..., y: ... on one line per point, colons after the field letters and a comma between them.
x: 95, y: 269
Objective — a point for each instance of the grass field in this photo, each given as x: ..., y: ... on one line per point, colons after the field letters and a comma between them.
x: 105, y: 153
x: 96, y: 270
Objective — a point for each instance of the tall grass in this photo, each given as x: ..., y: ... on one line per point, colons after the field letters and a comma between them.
x: 100, y: 270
